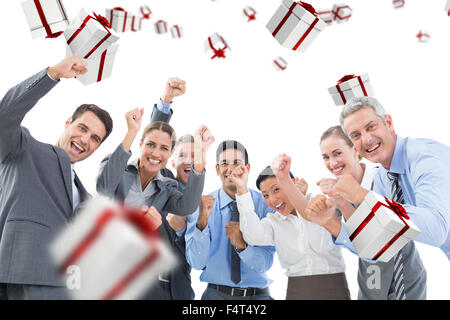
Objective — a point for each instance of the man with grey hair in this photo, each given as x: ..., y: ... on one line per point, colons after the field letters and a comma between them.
x: 413, y: 172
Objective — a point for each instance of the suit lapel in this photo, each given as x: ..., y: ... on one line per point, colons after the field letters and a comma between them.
x: 64, y: 165
x: 84, y: 195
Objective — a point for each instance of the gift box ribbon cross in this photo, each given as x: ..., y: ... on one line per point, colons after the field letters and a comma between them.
x: 346, y: 78
x: 45, y: 24
x: 397, y: 209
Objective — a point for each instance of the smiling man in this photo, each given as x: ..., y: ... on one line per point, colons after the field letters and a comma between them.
x: 39, y: 191
x: 413, y: 172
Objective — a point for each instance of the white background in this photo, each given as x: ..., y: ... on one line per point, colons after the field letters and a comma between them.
x: 243, y: 97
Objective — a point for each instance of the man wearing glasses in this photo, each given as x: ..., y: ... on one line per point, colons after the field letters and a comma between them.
x: 214, y: 242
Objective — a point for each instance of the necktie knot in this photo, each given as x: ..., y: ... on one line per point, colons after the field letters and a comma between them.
x: 392, y: 176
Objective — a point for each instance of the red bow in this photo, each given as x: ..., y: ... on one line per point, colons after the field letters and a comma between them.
x: 219, y: 53
x: 397, y: 208
x: 346, y: 78
x: 102, y: 20
x: 308, y: 7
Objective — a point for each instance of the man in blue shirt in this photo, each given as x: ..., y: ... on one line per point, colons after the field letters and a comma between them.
x: 214, y: 243
x: 418, y: 169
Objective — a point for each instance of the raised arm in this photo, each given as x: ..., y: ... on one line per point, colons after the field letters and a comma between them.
x: 162, y: 110
x: 23, y: 97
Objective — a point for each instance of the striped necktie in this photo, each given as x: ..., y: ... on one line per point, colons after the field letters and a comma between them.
x: 397, y: 196
x: 235, y: 259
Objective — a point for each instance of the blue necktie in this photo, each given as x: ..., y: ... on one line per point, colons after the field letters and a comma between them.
x: 235, y: 260
x: 397, y: 196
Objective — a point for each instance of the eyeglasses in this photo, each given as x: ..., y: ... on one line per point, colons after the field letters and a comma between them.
x: 225, y: 163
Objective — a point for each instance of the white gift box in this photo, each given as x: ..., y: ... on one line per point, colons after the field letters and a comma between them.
x: 116, y: 252
x: 447, y: 8
x: 293, y: 26
x: 377, y: 231
x: 216, y: 46
x: 326, y: 16
x: 136, y: 23
x: 145, y: 12
x: 46, y: 18
x: 341, y: 13
x: 351, y: 86
x: 176, y: 31
x: 423, y: 36
x: 89, y: 36
x: 398, y: 3
x: 99, y: 67
x: 161, y: 27
x: 249, y: 13
x: 119, y: 19
x: 280, y: 64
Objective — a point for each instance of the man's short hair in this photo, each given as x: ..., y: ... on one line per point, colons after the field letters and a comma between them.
x: 187, y: 138
x: 103, y: 115
x: 266, y: 174
x: 357, y: 103
x: 231, y: 144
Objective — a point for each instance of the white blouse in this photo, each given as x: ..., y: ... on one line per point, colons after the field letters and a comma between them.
x: 303, y: 247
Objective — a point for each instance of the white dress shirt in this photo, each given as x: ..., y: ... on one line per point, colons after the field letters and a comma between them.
x: 303, y: 247
x: 75, y: 192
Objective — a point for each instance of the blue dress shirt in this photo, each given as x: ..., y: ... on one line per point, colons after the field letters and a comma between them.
x: 423, y: 166
x: 209, y: 250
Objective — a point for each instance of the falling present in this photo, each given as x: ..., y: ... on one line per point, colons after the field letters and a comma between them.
x: 119, y: 19
x: 423, y: 36
x: 280, y: 64
x: 46, y: 18
x: 176, y: 31
x: 117, y: 249
x: 379, y: 228
x: 89, y: 36
x: 350, y: 86
x: 249, y: 13
x: 161, y: 27
x: 295, y: 25
x: 398, y: 3
x: 216, y: 46
x: 341, y: 13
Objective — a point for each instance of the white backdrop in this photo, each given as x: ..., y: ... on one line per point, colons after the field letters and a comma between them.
x: 243, y: 97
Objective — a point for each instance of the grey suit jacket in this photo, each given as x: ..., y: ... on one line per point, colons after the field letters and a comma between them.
x: 36, y: 190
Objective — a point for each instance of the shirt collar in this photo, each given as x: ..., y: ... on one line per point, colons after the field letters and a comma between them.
x: 181, y: 185
x: 397, y: 163
x: 135, y: 164
x: 224, y: 199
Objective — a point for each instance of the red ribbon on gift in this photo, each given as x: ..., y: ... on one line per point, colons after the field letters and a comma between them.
x: 136, y: 219
x: 397, y: 209
x: 307, y: 7
x: 145, y: 15
x: 177, y: 29
x: 45, y: 24
x: 112, y: 15
x: 346, y: 78
x: 336, y: 13
x: 102, y: 21
x: 250, y: 16
x: 158, y: 24
x: 279, y: 66
x: 133, y: 18
x: 218, y: 53
x: 102, y: 64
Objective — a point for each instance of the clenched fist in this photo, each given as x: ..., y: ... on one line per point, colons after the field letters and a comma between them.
x: 206, y: 205
x: 152, y: 215
x: 68, y: 68
x: 174, y: 87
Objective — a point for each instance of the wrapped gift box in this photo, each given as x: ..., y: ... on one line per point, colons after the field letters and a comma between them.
x: 295, y: 25
x: 99, y: 67
x: 280, y: 64
x: 161, y: 27
x: 136, y: 23
x: 249, y: 13
x: 341, y: 13
x: 216, y: 46
x: 46, y: 18
x: 379, y: 228
x: 447, y: 8
x: 326, y: 16
x: 89, y: 36
x: 145, y: 12
x: 423, y: 36
x: 351, y: 86
x: 119, y: 19
x: 176, y: 31
x: 398, y: 3
x: 116, y: 249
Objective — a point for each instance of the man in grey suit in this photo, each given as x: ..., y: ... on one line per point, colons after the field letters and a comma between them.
x: 39, y: 189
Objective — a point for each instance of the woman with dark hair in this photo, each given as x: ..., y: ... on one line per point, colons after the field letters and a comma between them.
x: 314, y: 265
